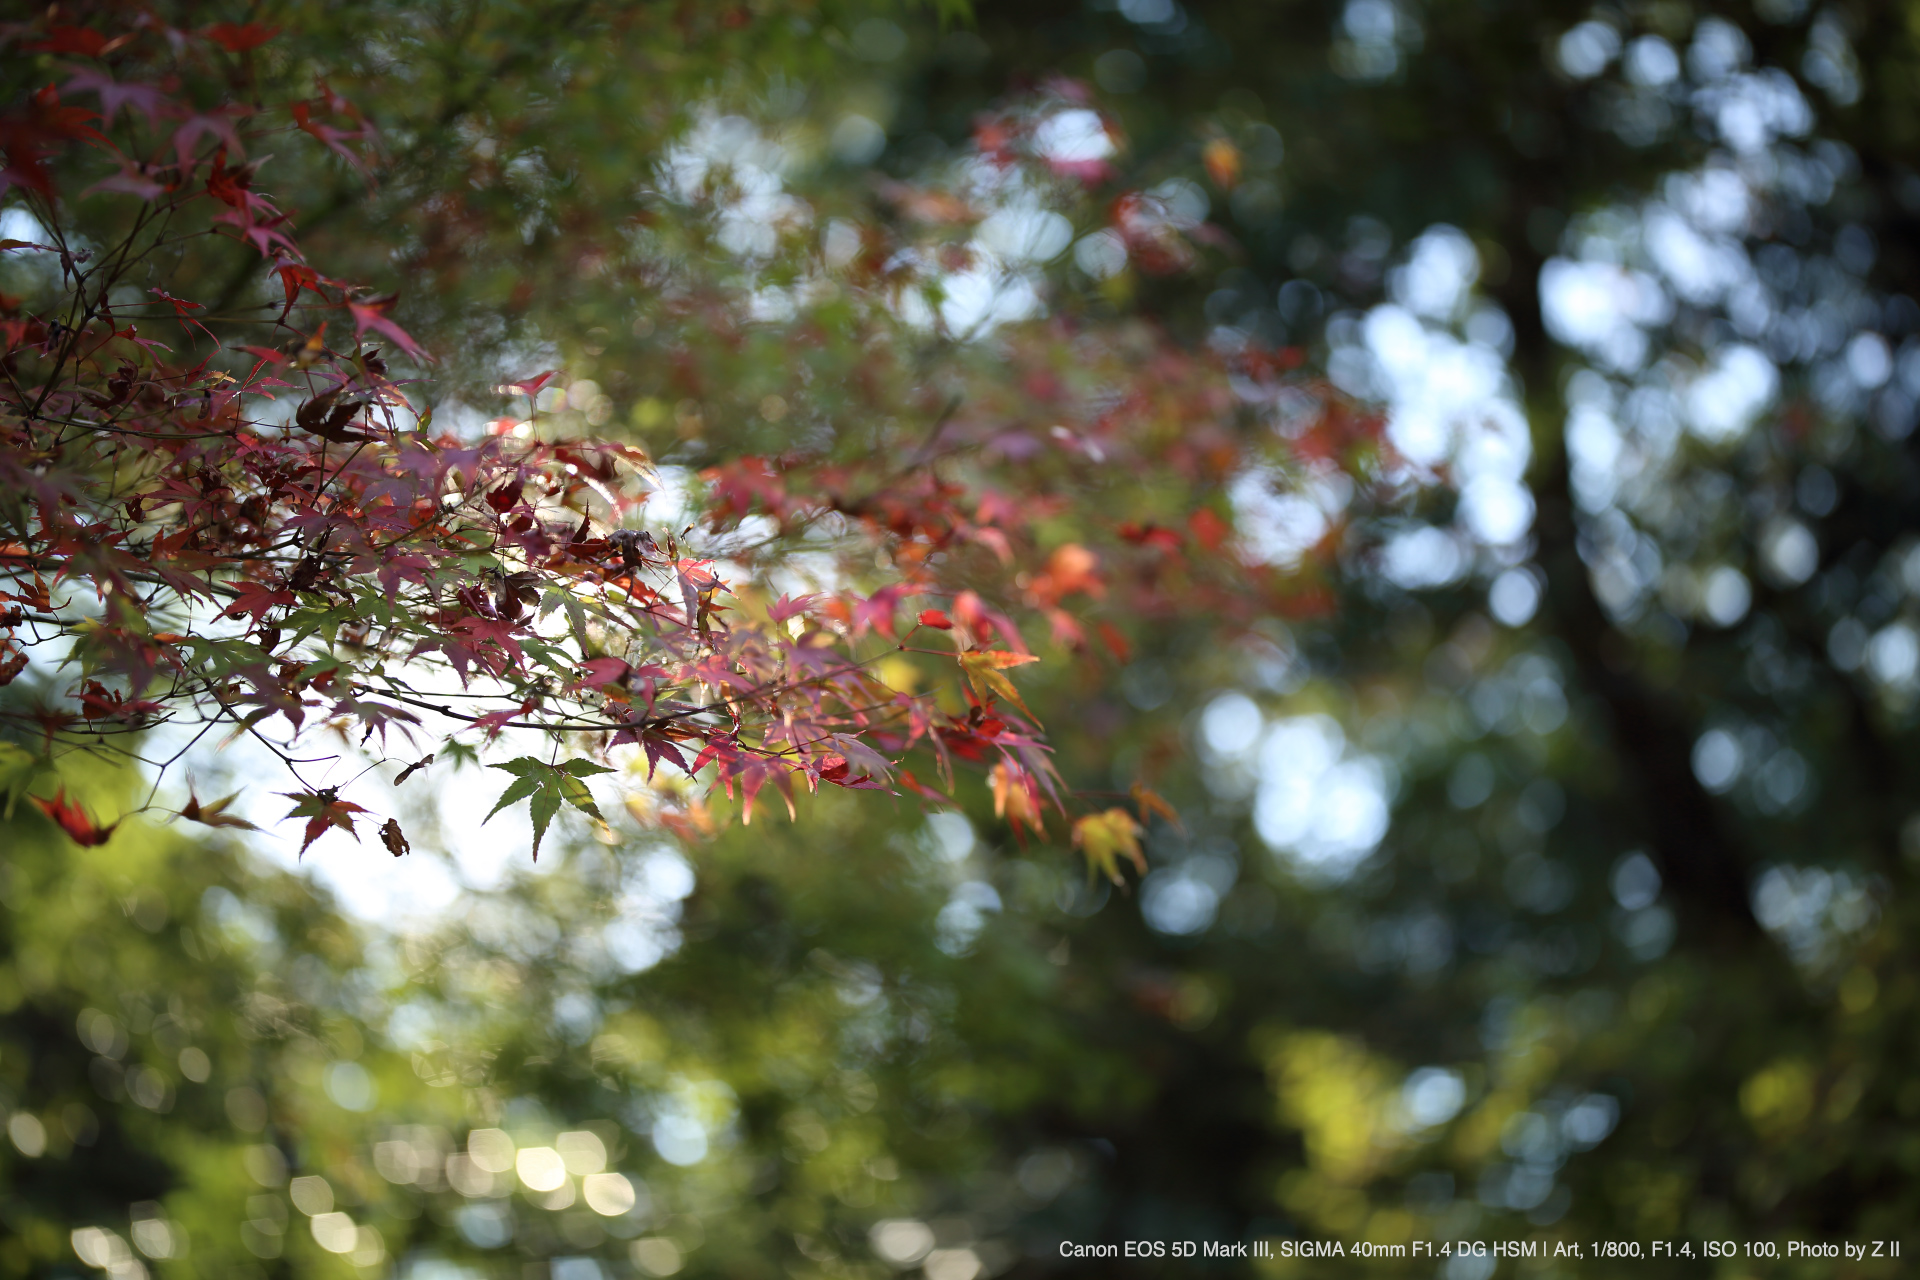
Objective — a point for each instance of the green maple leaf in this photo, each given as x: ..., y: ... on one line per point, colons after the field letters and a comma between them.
x: 546, y: 787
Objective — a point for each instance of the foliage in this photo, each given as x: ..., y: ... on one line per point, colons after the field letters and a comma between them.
x: 290, y: 533
x: 1460, y: 455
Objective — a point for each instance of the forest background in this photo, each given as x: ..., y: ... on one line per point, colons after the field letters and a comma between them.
x: 1459, y: 455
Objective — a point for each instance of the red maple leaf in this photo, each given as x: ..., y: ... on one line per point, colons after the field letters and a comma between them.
x: 236, y: 37
x: 533, y: 386
x: 373, y: 315
x: 28, y: 138
x: 256, y: 598
x: 322, y: 809
x: 294, y: 278
x: 74, y: 820
x: 81, y: 40
x: 228, y: 186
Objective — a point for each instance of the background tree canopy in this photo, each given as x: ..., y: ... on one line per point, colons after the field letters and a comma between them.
x: 1460, y: 455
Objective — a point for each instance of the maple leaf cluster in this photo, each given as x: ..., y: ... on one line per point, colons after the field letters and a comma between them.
x: 245, y: 522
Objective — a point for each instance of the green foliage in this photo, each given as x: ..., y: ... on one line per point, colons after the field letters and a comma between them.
x: 546, y: 787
